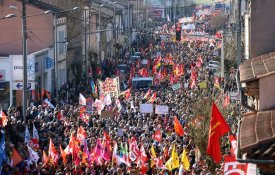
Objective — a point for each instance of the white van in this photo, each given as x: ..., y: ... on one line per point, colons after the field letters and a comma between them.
x: 142, y: 82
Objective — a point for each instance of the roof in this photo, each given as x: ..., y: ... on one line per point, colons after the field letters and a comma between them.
x: 45, y: 6
x: 257, y: 67
x: 257, y: 133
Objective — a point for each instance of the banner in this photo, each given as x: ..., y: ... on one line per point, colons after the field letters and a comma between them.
x: 231, y: 166
x: 146, y: 108
x: 186, y: 20
x: 110, y: 86
x: 162, y: 109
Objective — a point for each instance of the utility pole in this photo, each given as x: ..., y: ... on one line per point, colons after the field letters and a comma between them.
x: 115, y: 31
x: 239, y: 41
x: 25, y: 65
x: 55, y: 59
x: 137, y: 31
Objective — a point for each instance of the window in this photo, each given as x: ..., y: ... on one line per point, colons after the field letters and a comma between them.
x: 61, y: 42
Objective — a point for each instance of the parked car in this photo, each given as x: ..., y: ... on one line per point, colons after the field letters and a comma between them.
x: 214, y: 64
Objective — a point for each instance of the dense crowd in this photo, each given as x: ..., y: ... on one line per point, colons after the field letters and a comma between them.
x: 62, y: 123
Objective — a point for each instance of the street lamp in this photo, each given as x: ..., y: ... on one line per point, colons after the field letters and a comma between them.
x: 8, y: 16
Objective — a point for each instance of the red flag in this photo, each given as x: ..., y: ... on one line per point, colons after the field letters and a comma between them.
x: 148, y: 93
x: 106, y: 152
x: 153, y: 98
x: 192, y: 83
x: 177, y: 126
x: 53, y: 154
x: 33, y: 95
x: 157, y: 136
x: 59, y: 116
x: 45, y: 157
x: 4, y: 118
x: 157, y: 61
x: 127, y: 94
x: 63, y: 155
x: 143, y: 72
x: 143, y: 155
x: 233, y: 143
x: 161, y: 75
x: 178, y: 70
x: 81, y: 134
x: 226, y: 101
x: 106, y: 136
x: 218, y: 127
x: 15, y: 158
x: 98, y: 71
x: 154, y: 69
x: 42, y: 93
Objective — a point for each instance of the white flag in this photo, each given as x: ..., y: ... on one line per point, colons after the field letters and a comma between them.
x: 35, y: 133
x: 107, y: 100
x: 33, y: 156
x: 118, y: 104
x: 49, y: 103
x: 27, y: 135
x: 132, y: 106
x: 82, y: 99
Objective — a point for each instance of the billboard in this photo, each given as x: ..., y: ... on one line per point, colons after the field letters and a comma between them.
x: 17, y: 67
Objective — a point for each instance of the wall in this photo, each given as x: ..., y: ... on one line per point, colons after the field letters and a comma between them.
x: 6, y: 94
x: 39, y: 29
x: 267, y: 93
x: 262, y: 27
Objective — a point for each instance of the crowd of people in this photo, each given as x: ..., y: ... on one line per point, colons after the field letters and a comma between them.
x: 72, y: 141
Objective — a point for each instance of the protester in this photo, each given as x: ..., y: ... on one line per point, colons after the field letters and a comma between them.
x: 67, y: 139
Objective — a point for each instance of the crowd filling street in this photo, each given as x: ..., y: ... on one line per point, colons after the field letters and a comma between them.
x: 114, y: 134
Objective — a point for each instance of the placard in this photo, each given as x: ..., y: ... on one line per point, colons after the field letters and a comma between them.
x: 162, y: 109
x: 89, y: 105
x: 176, y: 86
x: 107, y: 114
x: 146, y: 108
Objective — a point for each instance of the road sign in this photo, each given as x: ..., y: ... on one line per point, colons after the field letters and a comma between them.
x: 19, y: 86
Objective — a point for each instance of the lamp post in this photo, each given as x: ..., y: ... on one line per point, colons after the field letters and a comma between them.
x: 85, y: 44
x: 129, y: 23
x: 115, y: 31
x: 99, y: 27
x: 25, y: 69
x: 8, y: 16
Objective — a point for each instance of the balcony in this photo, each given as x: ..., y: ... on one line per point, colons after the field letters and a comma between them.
x: 257, y: 128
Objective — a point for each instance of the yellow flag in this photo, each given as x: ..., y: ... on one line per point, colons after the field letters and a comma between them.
x: 202, y: 85
x: 168, y: 164
x: 152, y: 151
x: 153, y: 155
x: 185, y: 160
x: 175, y: 158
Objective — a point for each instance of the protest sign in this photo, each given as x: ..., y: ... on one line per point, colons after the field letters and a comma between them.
x: 107, y: 114
x: 146, y: 108
x: 89, y: 105
x: 176, y: 86
x: 162, y: 109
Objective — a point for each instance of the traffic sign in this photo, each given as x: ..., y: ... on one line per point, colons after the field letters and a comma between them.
x: 19, y: 86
